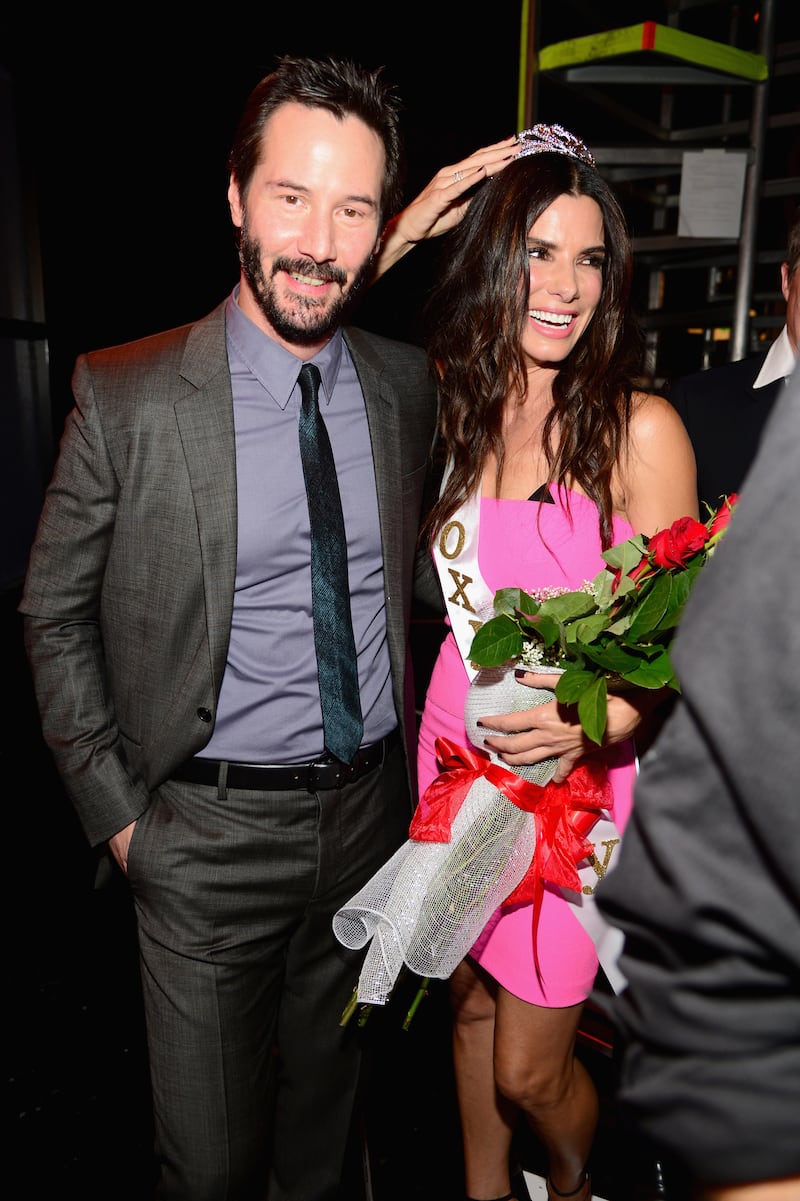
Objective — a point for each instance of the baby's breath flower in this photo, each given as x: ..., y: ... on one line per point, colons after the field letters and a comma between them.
x: 548, y: 592
x: 533, y: 654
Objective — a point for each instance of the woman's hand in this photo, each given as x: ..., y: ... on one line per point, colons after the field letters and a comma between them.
x: 531, y: 735
x: 442, y: 204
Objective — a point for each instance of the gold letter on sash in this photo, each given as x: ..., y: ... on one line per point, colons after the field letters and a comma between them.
x: 460, y: 597
x: 461, y: 537
x: 460, y: 580
x: 600, y: 869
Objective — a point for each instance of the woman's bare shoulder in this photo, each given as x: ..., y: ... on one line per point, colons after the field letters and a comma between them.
x: 657, y: 478
x: 652, y: 416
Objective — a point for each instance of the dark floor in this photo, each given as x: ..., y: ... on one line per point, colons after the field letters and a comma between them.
x: 78, y: 1093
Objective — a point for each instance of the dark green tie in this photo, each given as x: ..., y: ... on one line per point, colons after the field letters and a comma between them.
x: 330, y: 591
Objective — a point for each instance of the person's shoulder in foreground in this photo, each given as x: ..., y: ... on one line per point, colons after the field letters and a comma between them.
x: 707, y: 887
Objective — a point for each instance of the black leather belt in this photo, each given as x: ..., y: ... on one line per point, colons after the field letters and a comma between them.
x: 277, y: 777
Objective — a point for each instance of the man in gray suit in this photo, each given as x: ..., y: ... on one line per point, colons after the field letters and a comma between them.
x: 169, y: 629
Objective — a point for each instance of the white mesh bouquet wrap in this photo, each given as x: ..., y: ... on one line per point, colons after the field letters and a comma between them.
x: 428, y: 904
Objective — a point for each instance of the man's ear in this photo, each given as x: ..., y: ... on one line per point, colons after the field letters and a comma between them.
x: 235, y: 202
x: 785, y: 280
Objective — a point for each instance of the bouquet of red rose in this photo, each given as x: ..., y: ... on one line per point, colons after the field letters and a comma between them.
x: 484, y: 834
x: 614, y: 633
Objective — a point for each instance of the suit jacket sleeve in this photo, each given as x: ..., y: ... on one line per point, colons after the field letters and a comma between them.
x: 61, y: 603
x: 128, y: 593
x: 707, y: 886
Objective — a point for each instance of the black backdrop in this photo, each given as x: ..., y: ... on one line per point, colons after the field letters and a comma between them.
x: 125, y: 145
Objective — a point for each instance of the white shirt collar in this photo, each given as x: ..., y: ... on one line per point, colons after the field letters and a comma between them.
x: 779, y: 362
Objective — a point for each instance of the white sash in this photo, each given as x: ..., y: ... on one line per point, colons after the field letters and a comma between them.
x: 469, y: 601
x: 466, y: 593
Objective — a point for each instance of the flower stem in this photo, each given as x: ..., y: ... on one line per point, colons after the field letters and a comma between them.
x: 422, y: 991
x: 349, y: 1008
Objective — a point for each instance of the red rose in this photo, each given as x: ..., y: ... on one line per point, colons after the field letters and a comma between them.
x: 675, y: 546
x: 722, y: 516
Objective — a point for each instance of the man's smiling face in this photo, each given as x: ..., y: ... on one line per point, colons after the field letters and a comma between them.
x: 310, y: 223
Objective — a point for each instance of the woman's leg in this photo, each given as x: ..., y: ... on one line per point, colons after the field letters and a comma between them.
x: 488, y: 1120
x: 535, y: 1068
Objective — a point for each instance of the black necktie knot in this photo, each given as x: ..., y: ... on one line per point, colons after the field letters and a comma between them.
x: 309, y: 380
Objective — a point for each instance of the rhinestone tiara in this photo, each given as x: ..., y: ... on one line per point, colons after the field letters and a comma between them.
x: 555, y: 139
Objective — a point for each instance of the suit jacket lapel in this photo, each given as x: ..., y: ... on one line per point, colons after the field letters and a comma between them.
x: 204, y: 414
x: 383, y: 409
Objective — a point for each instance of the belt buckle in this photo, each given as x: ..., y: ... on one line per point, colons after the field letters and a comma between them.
x: 319, y: 773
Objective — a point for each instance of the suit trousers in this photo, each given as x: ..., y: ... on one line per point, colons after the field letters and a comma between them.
x: 253, y: 1079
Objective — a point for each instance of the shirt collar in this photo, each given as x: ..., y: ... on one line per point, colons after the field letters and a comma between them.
x: 274, y: 367
x: 778, y: 363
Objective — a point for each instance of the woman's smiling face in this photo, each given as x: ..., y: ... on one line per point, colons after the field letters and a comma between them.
x: 566, y: 249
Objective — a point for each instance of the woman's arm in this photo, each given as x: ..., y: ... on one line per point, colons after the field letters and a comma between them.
x: 442, y: 204
x: 657, y: 482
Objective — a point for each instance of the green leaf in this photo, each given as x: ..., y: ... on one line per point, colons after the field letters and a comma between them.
x: 626, y: 588
x: 617, y: 658
x: 626, y: 555
x: 593, y: 710
x: 649, y: 613
x: 572, y: 684
x: 681, y: 587
x: 508, y: 600
x: 527, y: 604
x: 657, y: 673
x: 546, y: 629
x: 587, y: 629
x: 621, y: 623
x: 497, y: 641
x: 568, y: 606
x: 601, y: 586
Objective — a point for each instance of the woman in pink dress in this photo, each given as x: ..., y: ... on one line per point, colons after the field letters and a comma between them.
x: 553, y: 454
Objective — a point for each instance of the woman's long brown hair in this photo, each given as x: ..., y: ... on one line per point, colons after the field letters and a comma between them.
x: 473, y: 322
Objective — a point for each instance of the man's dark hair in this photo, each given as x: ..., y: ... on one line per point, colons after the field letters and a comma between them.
x: 344, y: 89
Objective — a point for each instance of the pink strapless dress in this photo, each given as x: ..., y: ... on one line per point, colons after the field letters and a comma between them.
x: 527, y: 545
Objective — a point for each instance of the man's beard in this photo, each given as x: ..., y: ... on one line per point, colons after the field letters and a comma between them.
x: 304, y: 320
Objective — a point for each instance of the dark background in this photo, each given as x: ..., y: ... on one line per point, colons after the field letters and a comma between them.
x: 123, y: 127
x: 126, y: 143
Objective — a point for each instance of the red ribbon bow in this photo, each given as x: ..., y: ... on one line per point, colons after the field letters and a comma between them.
x: 564, y: 815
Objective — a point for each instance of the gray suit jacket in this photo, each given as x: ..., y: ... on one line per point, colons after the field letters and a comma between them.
x: 707, y: 885
x: 129, y: 590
